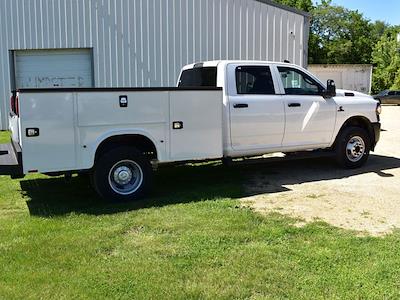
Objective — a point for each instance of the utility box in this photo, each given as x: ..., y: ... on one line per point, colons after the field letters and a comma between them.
x: 346, y: 76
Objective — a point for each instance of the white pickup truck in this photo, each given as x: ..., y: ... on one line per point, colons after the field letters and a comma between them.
x: 220, y: 109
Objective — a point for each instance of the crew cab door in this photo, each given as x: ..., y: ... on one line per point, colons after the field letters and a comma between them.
x: 310, y: 118
x: 257, y: 117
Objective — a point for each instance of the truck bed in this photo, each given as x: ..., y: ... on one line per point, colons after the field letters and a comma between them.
x: 72, y: 123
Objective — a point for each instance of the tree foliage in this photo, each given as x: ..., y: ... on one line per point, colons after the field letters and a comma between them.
x: 305, y: 5
x: 342, y: 36
x: 386, y: 58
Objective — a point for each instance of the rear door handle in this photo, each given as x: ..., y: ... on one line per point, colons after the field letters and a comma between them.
x: 240, y: 105
x: 294, y: 104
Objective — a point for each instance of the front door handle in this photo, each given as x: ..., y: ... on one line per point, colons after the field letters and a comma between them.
x: 294, y: 104
x: 240, y: 105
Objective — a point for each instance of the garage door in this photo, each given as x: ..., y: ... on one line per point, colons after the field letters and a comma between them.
x: 53, y: 68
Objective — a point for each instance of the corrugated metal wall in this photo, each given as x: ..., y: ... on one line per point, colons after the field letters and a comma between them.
x: 145, y: 42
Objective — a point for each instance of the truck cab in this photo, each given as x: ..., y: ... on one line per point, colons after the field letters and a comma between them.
x: 280, y: 107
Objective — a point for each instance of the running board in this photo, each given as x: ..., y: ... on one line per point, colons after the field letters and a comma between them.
x: 285, y: 158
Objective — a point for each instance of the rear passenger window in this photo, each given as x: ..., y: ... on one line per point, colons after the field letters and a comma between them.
x: 254, y: 80
x: 199, y: 77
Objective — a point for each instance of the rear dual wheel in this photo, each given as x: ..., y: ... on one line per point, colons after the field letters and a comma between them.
x: 122, y: 174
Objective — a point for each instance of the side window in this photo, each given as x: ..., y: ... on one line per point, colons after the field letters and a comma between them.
x: 254, y: 80
x: 296, y: 82
x: 391, y: 93
x: 199, y: 77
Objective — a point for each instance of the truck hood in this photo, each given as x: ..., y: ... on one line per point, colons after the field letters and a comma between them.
x: 348, y: 93
x: 355, y: 99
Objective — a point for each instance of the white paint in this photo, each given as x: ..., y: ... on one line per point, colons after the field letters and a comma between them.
x: 310, y: 124
x: 54, y: 148
x: 201, y: 135
x: 259, y: 126
x: 314, y: 125
x: 73, y: 124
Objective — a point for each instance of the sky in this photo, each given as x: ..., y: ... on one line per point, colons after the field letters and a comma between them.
x: 385, y: 10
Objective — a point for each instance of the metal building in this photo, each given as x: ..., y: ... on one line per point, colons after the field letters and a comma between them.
x: 347, y: 76
x: 117, y: 43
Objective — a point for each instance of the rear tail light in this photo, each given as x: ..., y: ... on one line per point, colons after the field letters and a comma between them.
x: 14, y: 104
x: 17, y: 106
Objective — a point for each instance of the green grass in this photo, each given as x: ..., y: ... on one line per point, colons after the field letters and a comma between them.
x: 189, y: 240
x: 4, y: 137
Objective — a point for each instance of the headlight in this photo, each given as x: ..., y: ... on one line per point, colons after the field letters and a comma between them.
x: 378, y: 109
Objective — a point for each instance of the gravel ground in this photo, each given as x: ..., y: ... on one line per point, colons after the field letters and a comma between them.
x: 366, y: 200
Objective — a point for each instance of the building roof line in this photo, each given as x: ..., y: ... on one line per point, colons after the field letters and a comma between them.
x: 285, y: 7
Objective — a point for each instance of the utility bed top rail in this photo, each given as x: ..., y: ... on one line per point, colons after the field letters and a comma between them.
x: 118, y: 89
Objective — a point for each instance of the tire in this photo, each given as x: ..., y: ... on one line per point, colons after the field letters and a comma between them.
x: 122, y: 174
x: 353, y: 147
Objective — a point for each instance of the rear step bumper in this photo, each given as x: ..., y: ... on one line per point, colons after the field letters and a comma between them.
x: 11, y: 160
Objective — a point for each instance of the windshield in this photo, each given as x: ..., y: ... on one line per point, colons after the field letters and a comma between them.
x: 199, y: 77
x: 383, y: 93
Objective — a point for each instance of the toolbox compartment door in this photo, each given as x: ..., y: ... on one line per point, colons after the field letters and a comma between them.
x: 53, y: 147
x: 195, y: 125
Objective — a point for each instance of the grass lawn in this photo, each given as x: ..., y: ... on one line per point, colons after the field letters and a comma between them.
x: 4, y: 137
x: 190, y: 239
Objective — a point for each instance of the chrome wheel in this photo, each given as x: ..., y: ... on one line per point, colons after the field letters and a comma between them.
x: 125, y: 177
x: 355, y: 149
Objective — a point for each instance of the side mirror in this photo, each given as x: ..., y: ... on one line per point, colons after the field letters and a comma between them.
x: 330, y: 89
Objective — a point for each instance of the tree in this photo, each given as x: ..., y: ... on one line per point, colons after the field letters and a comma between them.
x: 386, y: 58
x: 340, y: 35
x: 305, y: 5
x: 337, y: 34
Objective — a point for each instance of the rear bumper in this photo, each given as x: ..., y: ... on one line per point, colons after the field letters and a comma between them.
x: 377, y: 132
x: 11, y: 160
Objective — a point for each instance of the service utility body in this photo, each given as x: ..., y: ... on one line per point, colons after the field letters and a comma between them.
x: 219, y: 110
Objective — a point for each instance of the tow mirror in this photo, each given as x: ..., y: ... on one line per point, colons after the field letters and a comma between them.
x: 330, y: 89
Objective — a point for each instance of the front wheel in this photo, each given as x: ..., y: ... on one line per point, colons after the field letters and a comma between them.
x: 353, y: 147
x: 122, y: 174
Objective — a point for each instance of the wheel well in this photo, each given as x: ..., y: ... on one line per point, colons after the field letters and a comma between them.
x: 142, y: 143
x: 359, y: 121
